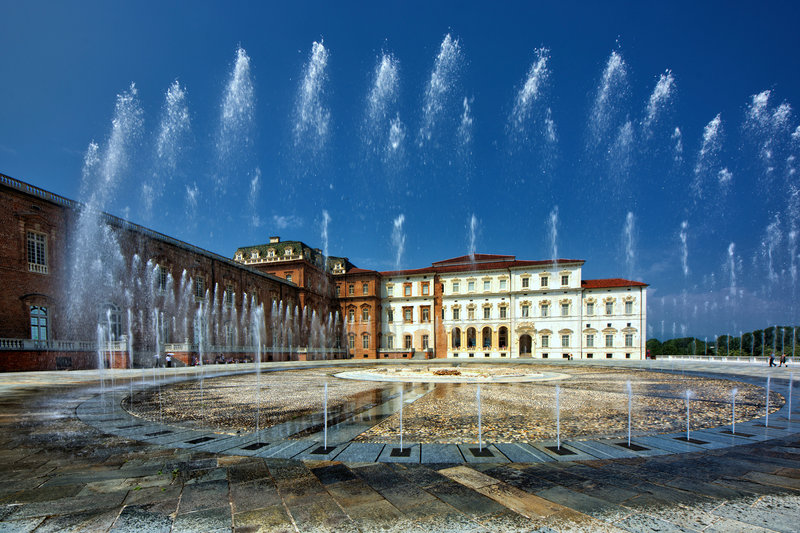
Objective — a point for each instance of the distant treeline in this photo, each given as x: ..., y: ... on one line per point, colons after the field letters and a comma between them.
x: 781, y: 339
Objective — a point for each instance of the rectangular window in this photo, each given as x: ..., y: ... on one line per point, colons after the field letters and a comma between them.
x: 503, y: 284
x: 564, y: 309
x: 456, y: 313
x: 609, y: 308
x: 390, y: 342
x: 545, y: 310
x: 365, y: 288
x: 426, y: 289
x: 455, y: 286
x: 38, y: 323
x: 471, y: 286
x: 365, y: 341
x: 471, y: 313
x: 525, y: 311
x: 199, y: 288
x: 525, y: 282
x: 37, y: 252
x: 407, y: 317
x: 629, y: 339
x: 545, y: 341
x: 351, y: 290
x: 565, y: 341
x: 338, y: 291
x: 590, y: 340
x: 288, y: 277
x: 390, y: 315
x: 590, y: 308
x: 609, y: 341
x: 351, y: 341
x: 390, y: 290
x: 487, y: 313
x: 162, y: 279
x: 426, y: 314
x: 628, y: 308
x: 407, y: 339
x: 365, y: 314
x: 228, y: 297
x: 565, y: 280
x: 407, y: 289
x: 545, y: 281
x: 487, y: 286
x: 503, y: 312
x: 425, y: 342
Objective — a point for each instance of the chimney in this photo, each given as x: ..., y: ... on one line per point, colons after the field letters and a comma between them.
x: 273, y: 240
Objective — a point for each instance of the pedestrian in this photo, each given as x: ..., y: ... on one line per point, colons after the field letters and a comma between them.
x: 783, y: 360
x: 772, y: 359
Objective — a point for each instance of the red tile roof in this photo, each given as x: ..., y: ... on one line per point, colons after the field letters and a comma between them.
x: 449, y: 266
x: 610, y: 283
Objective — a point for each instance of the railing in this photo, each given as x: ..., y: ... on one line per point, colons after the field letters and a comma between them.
x: 758, y: 359
x: 48, y: 345
x: 36, y: 267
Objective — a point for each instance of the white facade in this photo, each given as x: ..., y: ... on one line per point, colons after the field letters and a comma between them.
x: 407, y: 313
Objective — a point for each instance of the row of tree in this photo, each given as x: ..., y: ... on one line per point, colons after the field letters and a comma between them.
x: 778, y: 339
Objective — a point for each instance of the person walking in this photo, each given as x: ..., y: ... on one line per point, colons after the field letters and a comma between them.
x: 782, y: 361
x: 772, y: 359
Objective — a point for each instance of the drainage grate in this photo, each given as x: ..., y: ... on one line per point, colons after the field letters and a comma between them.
x: 560, y: 451
x: 157, y: 433
x: 131, y: 426
x: 199, y: 440
x: 632, y: 447
x: 693, y: 441
x: 737, y: 434
x: 477, y: 452
x: 400, y: 452
x: 322, y: 450
x: 255, y: 446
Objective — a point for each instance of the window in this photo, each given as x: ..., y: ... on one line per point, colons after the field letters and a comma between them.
x: 545, y: 310
x: 503, y: 312
x: 390, y: 342
x: 426, y: 289
x: 37, y: 252
x: 590, y: 340
x: 365, y: 341
x: 351, y: 315
x: 351, y: 340
x: 390, y: 315
x: 351, y: 290
x: 254, y: 254
x: 365, y: 314
x: 426, y: 314
x: 456, y: 335
x: 565, y: 340
x: 271, y: 252
x: 609, y: 308
x: 456, y: 313
x: 287, y: 251
x: 228, y: 296
x: 629, y: 340
x: 338, y: 291
x: 365, y: 288
x: 487, y: 313
x: 487, y: 285
x: 545, y: 341
x: 407, y: 341
x: 525, y: 311
x: 471, y: 286
x: 455, y: 286
x: 544, y: 281
x: 502, y: 338
x: 609, y: 340
x: 407, y: 289
x: 38, y: 323
x: 425, y: 342
x: 565, y: 279
x: 407, y: 316
x: 162, y: 279
x: 199, y: 288
x: 471, y: 313
x: 288, y: 277
x: 525, y: 283
x: 590, y: 308
x: 628, y: 308
x: 390, y: 290
x: 503, y: 284
x: 564, y: 309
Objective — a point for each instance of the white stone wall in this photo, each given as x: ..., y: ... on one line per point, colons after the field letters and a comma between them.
x: 399, y: 327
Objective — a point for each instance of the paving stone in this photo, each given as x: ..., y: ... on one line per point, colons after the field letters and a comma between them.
x: 406, y: 495
x: 352, y: 493
x: 135, y: 519
x: 254, y: 495
x: 641, y: 522
x: 85, y: 522
x: 464, y: 499
x: 381, y: 476
x: 201, y: 496
x: 266, y: 519
x: 360, y: 452
x: 209, y: 521
x: 333, y: 474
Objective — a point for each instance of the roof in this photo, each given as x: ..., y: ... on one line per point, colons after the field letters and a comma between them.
x: 474, y: 258
x: 610, y: 283
x: 457, y: 265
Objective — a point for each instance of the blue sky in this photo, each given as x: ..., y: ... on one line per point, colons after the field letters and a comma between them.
x: 711, y: 227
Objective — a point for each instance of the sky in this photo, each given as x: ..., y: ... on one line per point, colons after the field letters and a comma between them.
x: 655, y: 141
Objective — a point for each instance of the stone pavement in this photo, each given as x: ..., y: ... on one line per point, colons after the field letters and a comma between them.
x: 58, y: 473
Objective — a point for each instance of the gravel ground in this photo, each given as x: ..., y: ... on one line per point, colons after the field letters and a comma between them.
x: 593, y: 403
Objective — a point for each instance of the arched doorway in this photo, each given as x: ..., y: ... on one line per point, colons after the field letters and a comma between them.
x: 456, y: 342
x: 486, y: 337
x: 525, y: 345
x: 502, y: 338
x: 471, y: 338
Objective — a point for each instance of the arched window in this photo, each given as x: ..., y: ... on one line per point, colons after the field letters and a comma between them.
x: 525, y: 344
x: 486, y: 335
x: 471, y: 337
x: 39, y: 323
x: 111, y: 320
x: 502, y: 338
x: 456, y: 338
x: 351, y: 315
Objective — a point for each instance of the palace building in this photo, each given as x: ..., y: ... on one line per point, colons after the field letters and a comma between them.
x: 285, y: 300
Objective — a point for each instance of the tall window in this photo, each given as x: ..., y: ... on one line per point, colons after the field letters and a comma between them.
x: 456, y: 335
x: 351, y: 290
x: 365, y: 314
x: 228, y: 297
x: 351, y: 340
x: 590, y: 340
x: 456, y: 313
x: 390, y: 342
x: 407, y: 289
x: 487, y: 285
x: 426, y: 289
x: 565, y: 340
x: 455, y: 286
x: 38, y: 323
x: 407, y: 315
x: 390, y: 315
x: 351, y: 315
x: 471, y: 286
x: 628, y: 308
x: 37, y: 252
x: 503, y: 284
x: 609, y: 308
x: 471, y: 313
x: 629, y: 340
x: 525, y: 311
x: 288, y: 277
x: 365, y: 288
x: 365, y: 341
x: 545, y: 341
x: 609, y: 340
x: 545, y: 281
x: 590, y: 308
x: 407, y: 340
x: 564, y: 309
x: 111, y: 318
x: 200, y: 287
x: 338, y: 291
x: 503, y: 312
x: 487, y: 313
x: 545, y: 310
x: 162, y: 279
x: 565, y: 280
x: 390, y: 290
x: 425, y: 342
x: 426, y: 314
x: 525, y: 282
